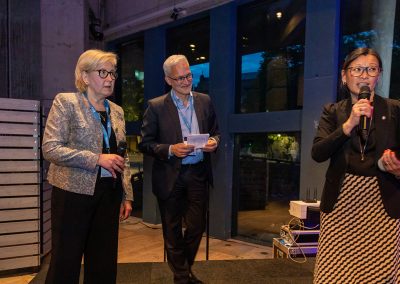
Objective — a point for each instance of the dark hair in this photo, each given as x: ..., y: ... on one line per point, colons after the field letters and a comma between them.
x: 357, y: 53
x: 344, y: 90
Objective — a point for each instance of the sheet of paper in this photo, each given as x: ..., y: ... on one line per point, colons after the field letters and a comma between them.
x: 198, y: 140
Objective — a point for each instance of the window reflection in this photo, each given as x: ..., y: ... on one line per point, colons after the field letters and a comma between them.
x: 132, y: 95
x: 136, y: 168
x: 132, y: 79
x: 192, y: 40
x: 268, y: 178
x: 201, y: 77
x: 271, y: 50
x: 375, y: 24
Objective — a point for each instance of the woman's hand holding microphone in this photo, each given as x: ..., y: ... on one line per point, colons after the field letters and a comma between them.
x: 112, y: 163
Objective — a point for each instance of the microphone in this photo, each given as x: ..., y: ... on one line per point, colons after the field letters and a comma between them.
x: 365, y: 93
x: 121, y: 151
x: 121, y: 148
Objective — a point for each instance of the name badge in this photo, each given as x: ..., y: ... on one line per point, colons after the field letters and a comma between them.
x: 105, y: 173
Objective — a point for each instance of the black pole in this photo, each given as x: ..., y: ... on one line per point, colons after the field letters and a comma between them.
x: 165, y: 253
x: 208, y: 221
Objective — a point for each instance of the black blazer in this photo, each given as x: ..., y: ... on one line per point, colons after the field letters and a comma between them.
x: 161, y: 128
x: 331, y: 143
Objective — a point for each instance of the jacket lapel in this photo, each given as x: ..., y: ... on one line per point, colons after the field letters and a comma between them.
x: 199, y: 112
x: 116, y: 122
x: 381, y: 119
x: 347, y: 111
x: 174, y: 116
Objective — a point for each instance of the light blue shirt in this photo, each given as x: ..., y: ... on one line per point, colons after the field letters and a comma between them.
x: 189, y: 125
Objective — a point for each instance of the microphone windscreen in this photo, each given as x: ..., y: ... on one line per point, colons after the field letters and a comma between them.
x: 365, y: 92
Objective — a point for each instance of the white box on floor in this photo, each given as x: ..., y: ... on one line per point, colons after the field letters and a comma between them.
x: 298, y: 208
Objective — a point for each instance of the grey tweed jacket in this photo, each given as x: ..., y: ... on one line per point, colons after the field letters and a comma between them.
x: 73, y: 141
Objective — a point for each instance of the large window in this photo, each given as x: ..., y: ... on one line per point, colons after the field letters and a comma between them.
x: 132, y: 79
x: 271, y: 54
x: 268, y: 178
x: 131, y: 55
x: 193, y: 41
x: 376, y: 24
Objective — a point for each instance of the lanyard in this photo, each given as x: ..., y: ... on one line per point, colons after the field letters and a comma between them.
x: 185, y: 121
x: 106, y: 133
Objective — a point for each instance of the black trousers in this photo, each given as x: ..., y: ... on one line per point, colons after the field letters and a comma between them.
x: 186, y: 203
x: 85, y: 225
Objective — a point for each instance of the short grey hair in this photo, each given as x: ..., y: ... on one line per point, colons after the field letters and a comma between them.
x: 172, y: 61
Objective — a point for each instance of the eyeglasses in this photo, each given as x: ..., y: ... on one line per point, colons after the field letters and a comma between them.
x: 104, y: 73
x: 358, y: 71
x: 181, y: 79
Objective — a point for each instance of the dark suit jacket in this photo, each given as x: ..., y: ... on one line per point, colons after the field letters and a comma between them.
x: 331, y: 142
x: 161, y: 128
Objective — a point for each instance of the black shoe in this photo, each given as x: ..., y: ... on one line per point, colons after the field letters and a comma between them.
x: 194, y: 280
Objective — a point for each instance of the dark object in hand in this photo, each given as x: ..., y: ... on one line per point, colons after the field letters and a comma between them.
x: 121, y: 151
x: 121, y: 148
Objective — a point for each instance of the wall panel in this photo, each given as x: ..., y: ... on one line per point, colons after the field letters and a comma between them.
x: 3, y: 48
x: 20, y: 180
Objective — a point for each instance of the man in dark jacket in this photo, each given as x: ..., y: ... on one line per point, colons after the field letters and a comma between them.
x: 181, y: 172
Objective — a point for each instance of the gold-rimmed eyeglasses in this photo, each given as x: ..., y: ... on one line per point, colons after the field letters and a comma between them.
x: 372, y: 71
x: 181, y: 79
x: 104, y: 73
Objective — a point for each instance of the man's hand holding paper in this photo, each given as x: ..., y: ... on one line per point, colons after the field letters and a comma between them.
x: 210, y: 146
x: 201, y: 141
x: 197, y: 140
x: 181, y: 150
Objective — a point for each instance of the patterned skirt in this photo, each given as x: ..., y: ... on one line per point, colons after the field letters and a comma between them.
x: 359, y: 242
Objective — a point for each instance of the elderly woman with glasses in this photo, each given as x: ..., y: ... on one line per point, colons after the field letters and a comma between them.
x: 360, y: 228
x: 90, y: 177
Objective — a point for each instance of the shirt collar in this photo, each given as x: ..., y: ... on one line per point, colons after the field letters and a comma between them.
x: 176, y: 99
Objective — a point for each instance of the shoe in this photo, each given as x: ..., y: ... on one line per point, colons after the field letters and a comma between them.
x: 194, y: 280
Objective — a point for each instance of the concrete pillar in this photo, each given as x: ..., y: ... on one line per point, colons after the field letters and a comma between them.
x: 63, y: 40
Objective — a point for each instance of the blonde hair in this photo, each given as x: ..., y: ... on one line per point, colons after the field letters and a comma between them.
x: 172, y: 61
x: 89, y: 61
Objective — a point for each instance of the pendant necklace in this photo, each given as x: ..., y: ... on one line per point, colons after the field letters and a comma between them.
x: 362, y: 148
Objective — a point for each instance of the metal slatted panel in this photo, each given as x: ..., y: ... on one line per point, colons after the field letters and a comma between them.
x: 20, y: 180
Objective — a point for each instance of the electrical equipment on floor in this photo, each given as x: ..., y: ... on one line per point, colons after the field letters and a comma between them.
x: 299, y: 208
x: 300, y: 236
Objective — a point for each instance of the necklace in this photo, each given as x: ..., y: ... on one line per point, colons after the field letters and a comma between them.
x: 103, y: 116
x: 362, y: 148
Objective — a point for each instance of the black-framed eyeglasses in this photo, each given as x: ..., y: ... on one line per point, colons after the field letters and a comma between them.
x: 372, y: 71
x: 181, y: 79
x: 104, y: 73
